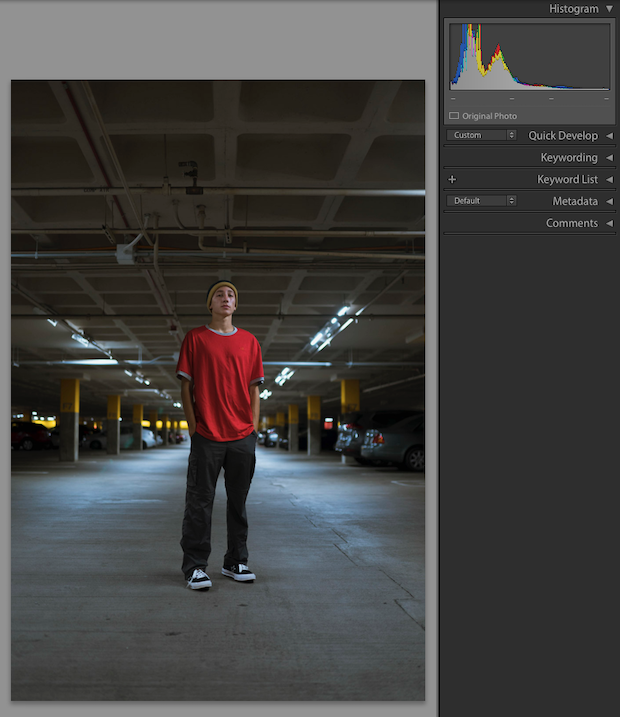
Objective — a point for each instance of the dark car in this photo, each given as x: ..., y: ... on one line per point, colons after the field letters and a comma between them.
x: 328, y: 439
x: 271, y: 437
x: 354, y: 425
x: 28, y: 435
x: 401, y: 444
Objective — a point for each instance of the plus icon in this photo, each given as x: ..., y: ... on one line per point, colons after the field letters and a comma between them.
x: 452, y: 179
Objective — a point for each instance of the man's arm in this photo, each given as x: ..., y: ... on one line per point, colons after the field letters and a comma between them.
x: 188, y: 405
x: 255, y: 403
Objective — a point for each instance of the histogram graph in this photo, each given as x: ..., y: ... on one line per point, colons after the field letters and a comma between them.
x: 529, y: 56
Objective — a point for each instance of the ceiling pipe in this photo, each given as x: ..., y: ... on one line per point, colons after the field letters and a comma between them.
x: 91, y: 144
x: 327, y: 233
x: 220, y: 252
x: 117, y: 165
x: 393, y: 383
x: 232, y: 191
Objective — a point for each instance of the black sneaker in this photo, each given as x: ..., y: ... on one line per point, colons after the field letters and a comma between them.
x: 239, y: 572
x: 199, y: 580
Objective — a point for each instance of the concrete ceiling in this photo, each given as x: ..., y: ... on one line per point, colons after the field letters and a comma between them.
x: 282, y: 173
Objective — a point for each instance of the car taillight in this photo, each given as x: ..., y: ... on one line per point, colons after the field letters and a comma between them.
x: 352, y: 426
x: 378, y: 438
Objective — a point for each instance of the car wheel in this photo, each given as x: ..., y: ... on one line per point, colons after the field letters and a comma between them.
x: 144, y: 446
x: 27, y: 444
x: 414, y: 459
x: 95, y: 445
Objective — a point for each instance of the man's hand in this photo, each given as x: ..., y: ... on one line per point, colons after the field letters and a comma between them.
x: 188, y: 406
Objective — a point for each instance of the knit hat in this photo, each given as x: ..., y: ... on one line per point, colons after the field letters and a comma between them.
x: 214, y: 287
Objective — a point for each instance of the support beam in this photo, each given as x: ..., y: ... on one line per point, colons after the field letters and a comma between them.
x: 293, y: 428
x: 138, y: 416
x: 314, y: 425
x: 114, y: 425
x: 69, y: 419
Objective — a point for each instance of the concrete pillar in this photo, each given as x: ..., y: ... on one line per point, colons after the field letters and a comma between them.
x: 314, y: 425
x: 280, y: 424
x: 69, y: 419
x: 138, y: 415
x: 114, y: 425
x: 175, y: 430
x: 165, y: 431
x: 293, y: 428
x: 349, y: 402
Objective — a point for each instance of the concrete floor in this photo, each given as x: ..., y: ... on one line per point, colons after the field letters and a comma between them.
x: 100, y: 610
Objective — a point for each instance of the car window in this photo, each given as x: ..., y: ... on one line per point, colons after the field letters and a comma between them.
x: 387, y: 418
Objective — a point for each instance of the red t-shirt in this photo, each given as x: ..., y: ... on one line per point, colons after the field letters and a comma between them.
x: 222, y: 367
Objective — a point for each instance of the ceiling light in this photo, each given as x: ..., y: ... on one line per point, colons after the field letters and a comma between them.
x: 53, y: 322
x: 93, y: 362
x: 147, y: 382
x: 323, y: 345
x: 334, y: 321
x: 265, y: 394
x: 316, y: 339
x: 128, y: 372
x: 80, y: 339
x: 343, y: 311
x: 344, y: 326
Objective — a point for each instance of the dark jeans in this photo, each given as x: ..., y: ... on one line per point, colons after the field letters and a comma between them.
x: 205, y: 461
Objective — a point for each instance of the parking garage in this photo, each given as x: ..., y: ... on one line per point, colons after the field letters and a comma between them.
x: 129, y: 199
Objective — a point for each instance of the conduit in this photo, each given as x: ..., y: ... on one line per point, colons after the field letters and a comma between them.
x: 222, y: 252
x: 327, y: 233
x: 233, y: 191
x: 117, y: 165
x: 109, y: 189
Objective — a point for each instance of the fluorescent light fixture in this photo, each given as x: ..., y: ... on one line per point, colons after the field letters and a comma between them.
x: 147, y: 382
x: 177, y: 405
x: 93, y: 362
x: 324, y: 344
x: 128, y: 372
x: 316, y: 339
x: 80, y: 339
x: 139, y: 379
x: 265, y: 394
x: 334, y: 321
x: 53, y: 322
x: 344, y: 326
x: 343, y: 311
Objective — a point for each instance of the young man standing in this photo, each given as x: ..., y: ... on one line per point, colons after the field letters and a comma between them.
x: 221, y: 368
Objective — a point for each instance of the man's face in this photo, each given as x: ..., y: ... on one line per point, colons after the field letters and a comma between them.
x: 223, y: 301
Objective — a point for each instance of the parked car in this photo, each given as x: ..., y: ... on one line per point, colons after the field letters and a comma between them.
x: 100, y: 440
x: 271, y: 437
x: 28, y: 435
x: 328, y: 439
x: 401, y: 444
x: 352, y: 429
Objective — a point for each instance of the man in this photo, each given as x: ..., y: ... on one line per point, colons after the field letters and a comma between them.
x: 221, y: 368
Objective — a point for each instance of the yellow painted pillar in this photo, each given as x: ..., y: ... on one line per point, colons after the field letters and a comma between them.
x: 314, y: 425
x: 138, y: 417
x: 349, y: 395
x: 280, y: 423
x: 293, y: 427
x: 114, y: 425
x: 165, y: 432
x: 69, y: 419
x: 271, y: 421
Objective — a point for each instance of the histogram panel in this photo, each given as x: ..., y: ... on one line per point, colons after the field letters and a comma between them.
x: 530, y: 56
